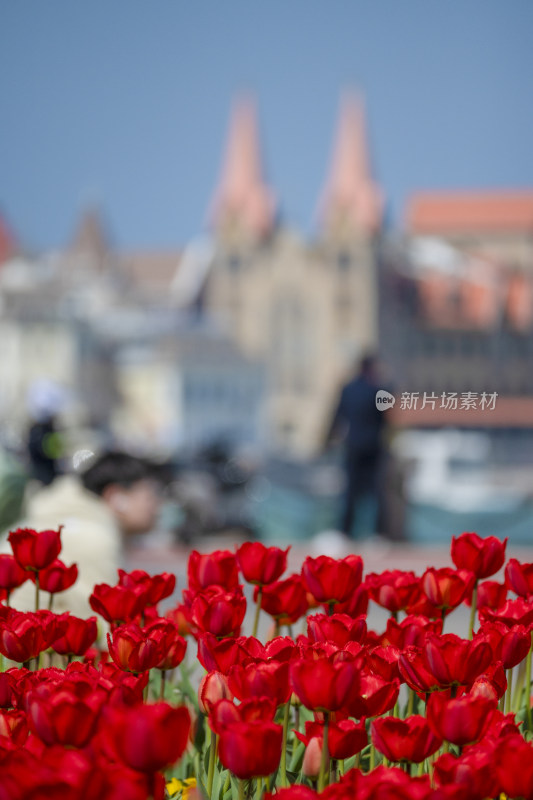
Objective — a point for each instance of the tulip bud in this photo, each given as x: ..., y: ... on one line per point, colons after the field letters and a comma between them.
x: 312, y: 757
x: 213, y: 687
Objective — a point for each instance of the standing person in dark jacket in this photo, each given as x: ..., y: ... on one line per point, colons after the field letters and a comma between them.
x: 361, y: 423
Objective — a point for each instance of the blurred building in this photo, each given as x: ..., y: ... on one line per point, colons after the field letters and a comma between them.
x: 248, y: 334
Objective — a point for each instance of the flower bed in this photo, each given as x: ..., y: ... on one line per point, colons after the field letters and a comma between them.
x: 335, y: 708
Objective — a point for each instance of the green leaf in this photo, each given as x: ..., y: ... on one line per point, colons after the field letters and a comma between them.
x: 297, y: 757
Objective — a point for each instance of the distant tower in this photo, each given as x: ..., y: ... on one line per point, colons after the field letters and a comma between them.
x: 243, y: 206
x: 303, y: 310
x: 242, y: 217
x: 352, y: 203
x: 350, y: 216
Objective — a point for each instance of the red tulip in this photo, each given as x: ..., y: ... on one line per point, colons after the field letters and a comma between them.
x: 171, y: 645
x: 491, y: 594
x: 483, y: 557
x: 414, y: 672
x: 57, y: 577
x: 492, y: 683
x: 213, y: 569
x: 148, y: 738
x: 356, y: 605
x: 383, y: 661
x: 13, y: 726
x: 394, y: 590
x: 346, y: 738
x: 284, y: 600
x: 35, y: 550
x: 519, y: 577
x: 513, y: 762
x: 154, y: 587
x: 472, y: 770
x: 322, y: 682
x: 224, y: 713
x: 270, y: 679
x: 382, y: 783
x: 134, y: 649
x: 116, y: 603
x: 221, y: 655
x: 181, y: 616
x: 219, y: 612
x: 408, y: 739
x: 66, y: 714
x: 260, y: 564
x: 79, y: 635
x: 11, y: 573
x: 447, y: 588
x: 453, y: 660
x: 509, y: 645
x: 410, y: 632
x: 25, y: 635
x: 332, y: 580
x: 461, y: 720
x: 337, y: 628
x: 512, y: 612
x: 372, y: 696
x: 295, y: 792
x: 251, y: 749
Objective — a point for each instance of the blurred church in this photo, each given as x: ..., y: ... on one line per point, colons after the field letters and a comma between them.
x: 248, y: 335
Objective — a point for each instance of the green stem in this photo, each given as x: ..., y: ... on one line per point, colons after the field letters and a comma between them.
x: 331, y: 606
x: 509, y: 692
x: 257, y: 610
x: 241, y: 788
x: 259, y: 790
x: 212, y: 758
x: 283, y: 764
x: 50, y: 601
x: 473, y: 612
x: 372, y: 756
x: 420, y: 769
x: 324, y: 756
x: 37, y: 591
x: 410, y: 702
x: 163, y: 682
x: 528, y: 690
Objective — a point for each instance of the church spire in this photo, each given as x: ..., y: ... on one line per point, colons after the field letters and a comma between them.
x: 351, y: 199
x: 242, y: 199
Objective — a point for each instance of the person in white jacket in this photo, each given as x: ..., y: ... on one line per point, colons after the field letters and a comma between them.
x: 116, y: 496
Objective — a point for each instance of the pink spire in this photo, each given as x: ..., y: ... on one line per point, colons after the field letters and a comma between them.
x: 242, y: 197
x: 351, y: 198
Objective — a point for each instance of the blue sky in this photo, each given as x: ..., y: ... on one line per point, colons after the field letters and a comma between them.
x: 125, y: 103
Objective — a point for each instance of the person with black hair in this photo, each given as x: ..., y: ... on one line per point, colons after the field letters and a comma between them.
x: 115, y: 497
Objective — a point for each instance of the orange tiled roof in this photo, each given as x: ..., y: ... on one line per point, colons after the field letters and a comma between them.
x: 7, y: 244
x: 447, y: 212
x: 508, y: 412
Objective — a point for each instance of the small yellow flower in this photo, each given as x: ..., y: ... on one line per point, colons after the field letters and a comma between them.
x: 174, y: 787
